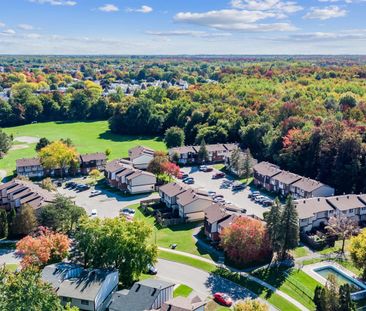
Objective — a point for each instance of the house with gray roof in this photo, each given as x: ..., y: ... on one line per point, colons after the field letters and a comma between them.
x: 29, y: 167
x: 92, y: 161
x: 263, y: 173
x: 169, y: 192
x: 148, y: 294
x: 214, y: 215
x: 141, y: 156
x: 191, y: 205
x: 89, y: 290
x: 184, y: 304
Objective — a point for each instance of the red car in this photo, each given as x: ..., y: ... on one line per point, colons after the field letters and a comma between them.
x: 223, y: 299
x: 218, y: 175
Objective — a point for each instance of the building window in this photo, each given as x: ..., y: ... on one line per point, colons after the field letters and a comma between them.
x: 84, y: 302
x: 351, y: 210
x: 66, y: 299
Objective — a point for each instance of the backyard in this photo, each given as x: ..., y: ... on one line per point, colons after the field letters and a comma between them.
x: 88, y: 137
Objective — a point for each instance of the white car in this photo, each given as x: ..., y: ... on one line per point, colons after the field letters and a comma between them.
x: 94, y: 213
x: 94, y: 193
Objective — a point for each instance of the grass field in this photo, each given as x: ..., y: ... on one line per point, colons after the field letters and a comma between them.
x: 182, y: 290
x: 88, y: 137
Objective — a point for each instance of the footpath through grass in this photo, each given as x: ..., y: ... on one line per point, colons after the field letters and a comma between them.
x: 88, y: 137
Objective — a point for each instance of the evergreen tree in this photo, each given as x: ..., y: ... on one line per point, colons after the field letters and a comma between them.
x: 3, y: 224
x: 247, y: 164
x: 235, y: 160
x: 25, y: 221
x: 10, y: 219
x: 345, y: 301
x: 318, y: 293
x: 289, y: 227
x: 273, y: 219
x: 202, y: 155
x: 43, y: 142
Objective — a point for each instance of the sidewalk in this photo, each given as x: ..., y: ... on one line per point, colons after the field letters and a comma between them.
x: 250, y: 277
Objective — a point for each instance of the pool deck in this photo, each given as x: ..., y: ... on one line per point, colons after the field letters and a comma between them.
x: 310, y: 270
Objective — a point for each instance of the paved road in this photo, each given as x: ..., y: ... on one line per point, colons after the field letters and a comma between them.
x: 240, y: 199
x: 108, y: 204
x: 7, y: 256
x: 203, y: 283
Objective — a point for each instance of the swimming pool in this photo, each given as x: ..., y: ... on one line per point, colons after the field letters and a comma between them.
x: 341, y: 277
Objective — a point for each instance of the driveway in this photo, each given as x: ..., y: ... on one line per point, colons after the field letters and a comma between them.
x: 107, y: 204
x: 203, y: 283
x: 240, y: 199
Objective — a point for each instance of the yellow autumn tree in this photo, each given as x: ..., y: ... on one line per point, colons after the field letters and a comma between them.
x: 357, y: 249
x: 58, y: 155
x: 250, y: 305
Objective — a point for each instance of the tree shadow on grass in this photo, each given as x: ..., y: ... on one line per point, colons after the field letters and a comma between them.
x: 108, y: 135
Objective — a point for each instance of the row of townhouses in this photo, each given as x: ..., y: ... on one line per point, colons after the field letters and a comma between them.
x: 139, y: 156
x: 96, y: 290
x: 121, y: 174
x: 272, y: 178
x: 315, y: 212
x: 17, y: 193
x: 33, y: 168
x: 189, y: 203
x: 189, y: 154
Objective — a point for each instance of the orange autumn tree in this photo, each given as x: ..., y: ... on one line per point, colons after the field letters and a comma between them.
x: 246, y: 241
x: 42, y: 248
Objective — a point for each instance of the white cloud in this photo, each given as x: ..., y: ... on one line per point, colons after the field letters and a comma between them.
x: 191, y: 33
x: 284, y: 7
x: 143, y: 9
x: 25, y: 27
x: 8, y: 32
x: 56, y: 2
x: 235, y: 20
x: 2, y: 25
x: 108, y: 8
x: 328, y: 12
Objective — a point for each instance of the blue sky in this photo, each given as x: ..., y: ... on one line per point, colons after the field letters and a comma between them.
x: 183, y: 27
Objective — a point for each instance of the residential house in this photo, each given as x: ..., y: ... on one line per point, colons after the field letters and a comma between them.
x: 121, y: 177
x: 184, y: 304
x: 216, y: 153
x: 310, y: 188
x: 185, y: 154
x: 149, y: 294
x: 226, y: 223
x: 349, y: 205
x: 362, y: 198
x: 91, y: 161
x: 141, y: 156
x: 191, y: 205
x: 282, y: 182
x: 313, y: 213
x: 17, y: 193
x: 231, y: 147
x: 113, y: 168
x: 29, y: 167
x: 263, y: 173
x: 140, y: 182
x: 89, y: 290
x: 169, y: 192
x: 214, y: 215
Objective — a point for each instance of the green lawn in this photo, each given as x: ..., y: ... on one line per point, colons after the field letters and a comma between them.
x: 300, y: 251
x: 87, y: 136
x: 293, y: 282
x: 196, y: 263
x: 182, y: 290
x: 213, y: 306
x: 12, y: 267
x: 182, y: 235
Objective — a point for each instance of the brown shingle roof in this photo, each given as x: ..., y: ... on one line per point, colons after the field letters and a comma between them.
x: 88, y: 157
x: 214, y: 148
x: 172, y: 189
x: 116, y: 165
x: 139, y: 173
x: 287, y: 177
x: 215, y: 213
x: 138, y: 151
x: 307, y: 184
x: 228, y: 222
x: 267, y: 169
x: 345, y: 202
x: 183, y: 149
x: 28, y: 162
x: 231, y: 147
x: 307, y: 208
x: 190, y: 196
x: 182, y: 304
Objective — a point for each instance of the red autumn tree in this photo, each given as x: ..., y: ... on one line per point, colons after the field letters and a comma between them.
x: 246, y: 241
x: 171, y: 169
x: 43, y: 248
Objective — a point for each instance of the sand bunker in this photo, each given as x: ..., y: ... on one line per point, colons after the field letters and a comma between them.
x: 27, y: 139
x: 18, y: 147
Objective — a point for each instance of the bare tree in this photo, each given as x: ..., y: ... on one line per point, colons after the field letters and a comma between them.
x: 342, y: 227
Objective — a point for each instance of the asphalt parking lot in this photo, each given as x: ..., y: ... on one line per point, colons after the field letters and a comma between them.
x: 204, y: 181
x: 108, y: 204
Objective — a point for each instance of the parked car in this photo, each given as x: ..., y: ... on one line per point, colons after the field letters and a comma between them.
x: 219, y: 200
x: 267, y: 203
x: 128, y: 212
x: 189, y: 181
x: 151, y: 270
x: 260, y: 199
x: 211, y: 193
x: 237, y: 186
x: 205, y: 168
x: 185, y: 175
x: 218, y: 196
x: 94, y: 193
x: 69, y: 184
x: 223, y: 299
x: 94, y: 213
x: 81, y: 188
x: 218, y: 175
x: 253, y: 193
